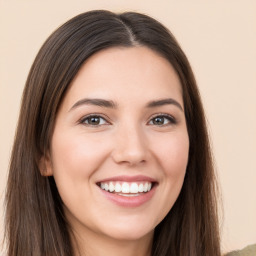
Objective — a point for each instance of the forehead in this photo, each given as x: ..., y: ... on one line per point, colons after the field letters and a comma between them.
x: 125, y: 73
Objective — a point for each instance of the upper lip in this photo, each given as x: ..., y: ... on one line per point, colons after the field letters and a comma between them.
x: 129, y: 178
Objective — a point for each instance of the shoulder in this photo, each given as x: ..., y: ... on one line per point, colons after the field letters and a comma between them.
x: 247, y: 251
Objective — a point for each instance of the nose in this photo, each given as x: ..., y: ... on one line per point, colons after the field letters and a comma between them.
x: 130, y: 147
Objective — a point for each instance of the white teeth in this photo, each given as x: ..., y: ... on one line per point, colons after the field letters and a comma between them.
x: 129, y: 195
x: 126, y: 187
x: 118, y: 188
x: 111, y: 187
x: 141, y: 188
x: 134, y: 188
x: 145, y: 187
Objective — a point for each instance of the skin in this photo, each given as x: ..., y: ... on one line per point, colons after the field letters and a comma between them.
x: 128, y: 140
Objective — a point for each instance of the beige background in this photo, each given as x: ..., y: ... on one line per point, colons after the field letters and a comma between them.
x: 219, y: 38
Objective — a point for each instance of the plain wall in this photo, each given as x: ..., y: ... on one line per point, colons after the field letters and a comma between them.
x: 219, y: 38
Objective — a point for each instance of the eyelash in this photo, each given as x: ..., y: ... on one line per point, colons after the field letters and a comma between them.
x: 86, y: 118
x: 170, y: 120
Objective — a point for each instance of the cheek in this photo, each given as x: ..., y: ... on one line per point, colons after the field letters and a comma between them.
x: 173, y: 155
x: 77, y: 155
x: 172, y: 158
x: 74, y: 161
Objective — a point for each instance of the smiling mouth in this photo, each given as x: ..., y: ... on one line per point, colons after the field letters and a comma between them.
x: 127, y: 189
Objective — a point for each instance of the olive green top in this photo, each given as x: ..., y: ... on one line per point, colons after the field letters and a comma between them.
x: 247, y: 251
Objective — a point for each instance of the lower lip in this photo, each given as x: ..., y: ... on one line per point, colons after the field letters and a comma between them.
x: 129, y: 201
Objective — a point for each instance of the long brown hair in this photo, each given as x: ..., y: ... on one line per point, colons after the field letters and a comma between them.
x: 35, y: 222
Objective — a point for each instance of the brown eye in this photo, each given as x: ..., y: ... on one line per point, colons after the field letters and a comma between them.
x: 162, y: 120
x: 94, y: 120
x: 158, y: 120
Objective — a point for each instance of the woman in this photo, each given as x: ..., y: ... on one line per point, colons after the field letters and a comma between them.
x: 111, y: 152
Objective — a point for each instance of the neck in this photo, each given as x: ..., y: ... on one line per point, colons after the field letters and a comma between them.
x: 99, y: 245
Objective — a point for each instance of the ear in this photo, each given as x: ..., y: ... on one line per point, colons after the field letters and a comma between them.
x: 45, y: 165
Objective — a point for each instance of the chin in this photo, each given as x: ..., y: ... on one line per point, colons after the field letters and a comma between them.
x: 124, y: 235
x: 130, y: 231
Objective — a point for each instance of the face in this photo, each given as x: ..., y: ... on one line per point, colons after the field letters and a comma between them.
x: 120, y: 145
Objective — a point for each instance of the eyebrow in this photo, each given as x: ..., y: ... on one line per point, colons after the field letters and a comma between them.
x: 162, y: 102
x: 113, y: 105
x: 95, y: 102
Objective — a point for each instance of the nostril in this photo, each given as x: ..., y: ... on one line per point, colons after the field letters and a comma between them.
x: 131, y: 149
x: 129, y: 158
